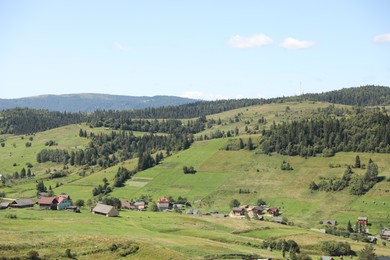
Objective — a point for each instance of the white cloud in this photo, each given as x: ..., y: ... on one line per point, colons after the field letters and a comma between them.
x: 203, y: 95
x: 121, y: 47
x: 255, y: 40
x: 382, y: 38
x: 294, y: 44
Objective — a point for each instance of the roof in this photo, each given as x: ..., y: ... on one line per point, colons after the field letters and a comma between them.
x: 329, y: 222
x: 23, y: 202
x: 4, y: 205
x: 46, y: 200
x: 139, y: 203
x: 385, y: 233
x: 237, y: 209
x: 163, y: 200
x: 102, y: 208
x: 362, y: 218
x: 273, y: 209
x: 279, y: 220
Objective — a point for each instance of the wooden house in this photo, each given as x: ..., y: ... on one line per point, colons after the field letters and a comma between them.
x: 107, y: 210
x: 22, y: 203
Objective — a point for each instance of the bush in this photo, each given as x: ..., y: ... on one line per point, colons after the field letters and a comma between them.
x: 334, y: 248
x: 11, y: 216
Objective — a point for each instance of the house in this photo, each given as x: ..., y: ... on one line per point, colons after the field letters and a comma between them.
x: 48, y: 203
x: 236, y: 211
x: 362, y: 220
x: 258, y: 210
x: 22, y: 203
x: 128, y: 205
x: 163, y: 203
x: 63, y: 202
x: 4, y: 205
x: 385, y: 234
x: 273, y: 211
x: 107, y: 210
x: 140, y: 205
x: 329, y: 222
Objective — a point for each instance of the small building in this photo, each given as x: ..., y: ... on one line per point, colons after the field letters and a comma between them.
x: 4, y: 205
x: 362, y: 220
x: 236, y: 211
x: 372, y: 239
x: 273, y: 211
x: 329, y: 222
x: 22, y: 203
x: 107, y: 210
x: 73, y: 209
x: 385, y: 234
x: 163, y: 203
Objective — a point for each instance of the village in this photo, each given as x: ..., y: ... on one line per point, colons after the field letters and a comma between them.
x: 167, y: 204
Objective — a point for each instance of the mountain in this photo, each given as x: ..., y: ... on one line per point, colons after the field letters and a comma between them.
x: 90, y: 102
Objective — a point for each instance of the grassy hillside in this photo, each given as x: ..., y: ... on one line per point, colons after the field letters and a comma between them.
x: 219, y: 177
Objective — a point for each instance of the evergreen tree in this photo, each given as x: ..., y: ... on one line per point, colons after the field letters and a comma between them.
x: 357, y: 162
x: 250, y: 144
x: 367, y: 253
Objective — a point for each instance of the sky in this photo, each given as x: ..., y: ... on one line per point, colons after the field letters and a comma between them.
x: 218, y: 49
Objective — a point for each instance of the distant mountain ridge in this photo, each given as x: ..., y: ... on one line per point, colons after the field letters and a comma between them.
x: 89, y: 102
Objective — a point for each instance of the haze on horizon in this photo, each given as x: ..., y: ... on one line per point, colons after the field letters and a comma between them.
x: 204, y: 50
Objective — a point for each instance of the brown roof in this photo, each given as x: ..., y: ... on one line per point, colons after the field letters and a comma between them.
x: 163, y: 200
x: 22, y: 202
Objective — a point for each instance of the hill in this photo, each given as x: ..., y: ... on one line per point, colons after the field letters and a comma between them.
x: 91, y: 102
x: 225, y: 170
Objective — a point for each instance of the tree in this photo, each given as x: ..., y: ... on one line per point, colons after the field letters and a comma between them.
x: 250, y: 144
x: 153, y: 207
x: 79, y: 203
x: 33, y: 255
x: 357, y: 162
x: 334, y: 248
x: 41, y: 187
x: 367, y: 253
x: 349, y: 227
x: 261, y: 202
x: 234, y: 203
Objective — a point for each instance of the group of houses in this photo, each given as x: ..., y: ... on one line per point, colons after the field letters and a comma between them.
x: 60, y: 202
x: 256, y: 212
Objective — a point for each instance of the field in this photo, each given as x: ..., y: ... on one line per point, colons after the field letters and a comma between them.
x: 220, y: 176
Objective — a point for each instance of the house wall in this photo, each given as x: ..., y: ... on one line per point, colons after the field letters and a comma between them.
x: 64, y: 204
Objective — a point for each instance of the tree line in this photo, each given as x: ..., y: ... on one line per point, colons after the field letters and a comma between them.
x: 106, y: 150
x: 368, y: 131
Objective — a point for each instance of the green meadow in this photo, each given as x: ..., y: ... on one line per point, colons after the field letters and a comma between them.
x: 219, y: 178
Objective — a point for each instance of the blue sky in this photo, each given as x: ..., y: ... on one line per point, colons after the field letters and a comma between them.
x: 199, y: 49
